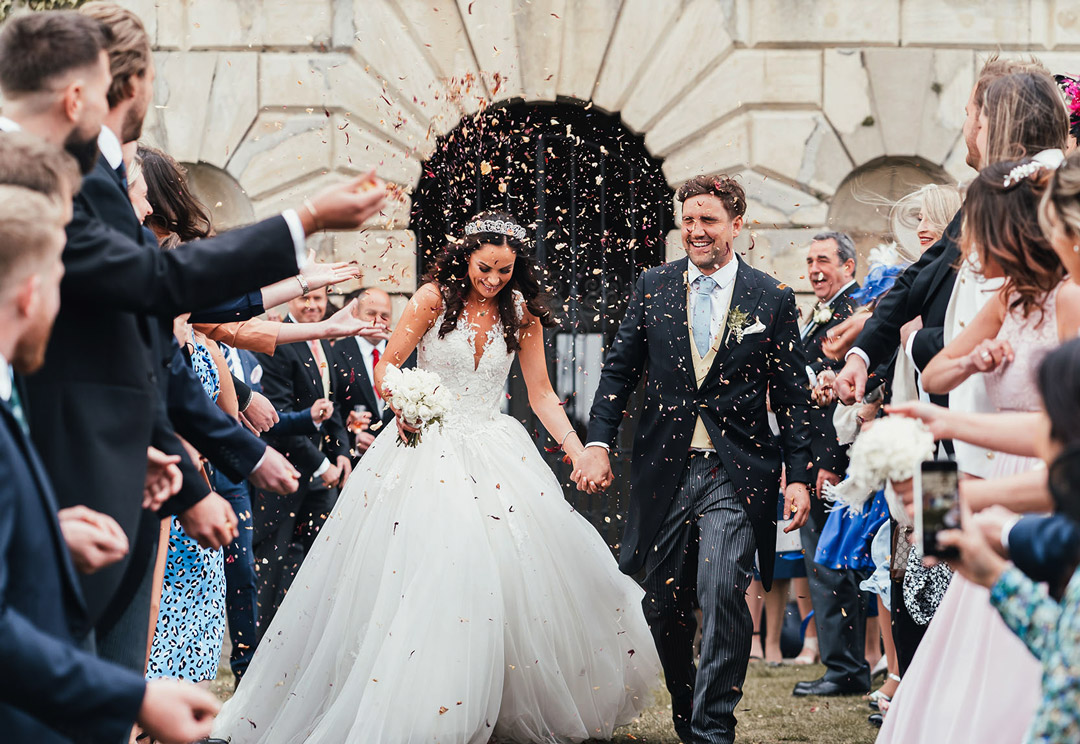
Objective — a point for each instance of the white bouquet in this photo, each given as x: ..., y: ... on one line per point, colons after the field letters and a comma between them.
x: 419, y: 398
x: 890, y: 450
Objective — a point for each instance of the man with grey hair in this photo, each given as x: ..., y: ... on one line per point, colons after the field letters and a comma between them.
x: 839, y: 607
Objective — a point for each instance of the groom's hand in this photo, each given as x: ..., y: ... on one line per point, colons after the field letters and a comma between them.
x: 593, y: 472
x: 796, y: 505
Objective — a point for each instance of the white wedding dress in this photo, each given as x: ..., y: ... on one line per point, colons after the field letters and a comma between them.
x: 453, y: 595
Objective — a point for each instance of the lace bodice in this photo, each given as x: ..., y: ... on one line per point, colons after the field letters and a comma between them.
x: 1011, y: 387
x: 478, y: 392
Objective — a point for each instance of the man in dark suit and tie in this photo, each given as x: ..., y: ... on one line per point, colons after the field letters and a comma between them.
x: 99, y: 402
x: 353, y: 365
x: 714, y: 339
x: 52, y: 691
x: 839, y: 606
x: 295, y: 378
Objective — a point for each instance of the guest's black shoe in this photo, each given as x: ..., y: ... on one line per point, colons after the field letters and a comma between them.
x: 827, y: 688
x: 876, y: 719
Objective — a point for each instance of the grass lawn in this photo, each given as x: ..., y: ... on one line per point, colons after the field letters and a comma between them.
x: 768, y: 713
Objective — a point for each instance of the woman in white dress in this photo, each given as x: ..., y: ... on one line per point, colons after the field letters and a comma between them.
x: 453, y: 594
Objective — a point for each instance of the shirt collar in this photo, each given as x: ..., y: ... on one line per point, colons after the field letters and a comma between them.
x: 843, y: 289
x: 8, y: 125
x: 5, y: 379
x: 367, y: 347
x: 110, y: 147
x: 723, y: 276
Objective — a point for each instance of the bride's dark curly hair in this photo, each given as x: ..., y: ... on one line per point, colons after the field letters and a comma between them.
x: 451, y: 274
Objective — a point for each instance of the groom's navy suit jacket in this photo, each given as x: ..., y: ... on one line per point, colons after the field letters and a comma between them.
x: 654, y: 339
x: 50, y: 691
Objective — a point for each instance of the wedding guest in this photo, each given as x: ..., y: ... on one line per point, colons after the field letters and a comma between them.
x: 294, y: 378
x: 52, y: 691
x: 1070, y: 89
x: 1035, y: 310
x: 839, y: 604
x: 98, y: 366
x: 353, y: 365
x: 1050, y: 629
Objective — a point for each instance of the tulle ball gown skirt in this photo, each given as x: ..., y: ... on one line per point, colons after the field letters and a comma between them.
x: 453, y: 595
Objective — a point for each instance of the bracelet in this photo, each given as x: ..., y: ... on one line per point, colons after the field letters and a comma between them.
x: 565, y: 437
x: 303, y: 284
x: 314, y: 214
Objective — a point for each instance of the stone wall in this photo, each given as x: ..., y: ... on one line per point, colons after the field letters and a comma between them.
x: 794, y: 95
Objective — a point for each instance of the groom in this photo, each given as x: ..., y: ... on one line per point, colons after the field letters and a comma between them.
x: 719, y: 344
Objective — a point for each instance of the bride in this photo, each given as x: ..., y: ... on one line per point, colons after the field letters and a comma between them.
x: 453, y: 594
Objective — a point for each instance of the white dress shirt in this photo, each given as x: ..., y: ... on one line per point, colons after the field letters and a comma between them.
x: 367, y: 351
x: 720, y: 299
x: 5, y: 379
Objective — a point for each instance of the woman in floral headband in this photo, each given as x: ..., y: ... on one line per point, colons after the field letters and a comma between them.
x: 1070, y: 88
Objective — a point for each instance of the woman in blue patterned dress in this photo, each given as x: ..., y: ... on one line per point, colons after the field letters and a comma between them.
x: 191, y: 621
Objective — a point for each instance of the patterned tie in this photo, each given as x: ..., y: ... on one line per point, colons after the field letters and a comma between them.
x: 703, y: 288
x: 17, y: 408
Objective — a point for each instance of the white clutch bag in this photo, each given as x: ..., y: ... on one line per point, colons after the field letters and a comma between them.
x: 786, y: 541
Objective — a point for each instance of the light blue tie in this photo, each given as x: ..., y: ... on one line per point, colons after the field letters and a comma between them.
x: 702, y: 315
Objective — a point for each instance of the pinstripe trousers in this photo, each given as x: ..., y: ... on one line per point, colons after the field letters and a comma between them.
x: 702, y: 557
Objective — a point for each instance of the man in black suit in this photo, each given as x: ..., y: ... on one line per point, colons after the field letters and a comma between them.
x: 51, y: 691
x: 97, y: 405
x: 295, y: 378
x: 353, y: 363
x: 839, y: 605
x: 714, y: 339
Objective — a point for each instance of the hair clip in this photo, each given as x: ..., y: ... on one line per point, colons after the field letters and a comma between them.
x: 1022, y: 171
x: 498, y: 227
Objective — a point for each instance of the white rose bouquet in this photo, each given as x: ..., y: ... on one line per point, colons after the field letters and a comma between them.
x: 890, y: 450
x: 419, y: 398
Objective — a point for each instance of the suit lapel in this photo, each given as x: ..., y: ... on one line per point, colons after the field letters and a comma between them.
x: 672, y: 312
x: 745, y: 296
x: 48, y: 502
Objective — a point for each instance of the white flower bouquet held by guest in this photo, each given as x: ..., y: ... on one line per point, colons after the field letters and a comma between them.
x: 890, y: 450
x: 419, y: 399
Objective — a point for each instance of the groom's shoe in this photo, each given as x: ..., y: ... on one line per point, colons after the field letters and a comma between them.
x: 827, y: 688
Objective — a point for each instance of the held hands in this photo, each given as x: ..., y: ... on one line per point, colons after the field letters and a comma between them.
x: 321, y: 410
x: 211, y: 521
x: 345, y: 206
x: 175, y: 712
x: 592, y: 471
x: 94, y: 540
x: 796, y: 505
x: 275, y: 473
x: 163, y: 478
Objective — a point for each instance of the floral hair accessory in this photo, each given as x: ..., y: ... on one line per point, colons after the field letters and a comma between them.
x: 1022, y: 171
x: 1070, y: 88
x: 499, y: 227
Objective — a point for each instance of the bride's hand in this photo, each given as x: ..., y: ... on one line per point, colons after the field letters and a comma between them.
x: 404, y: 429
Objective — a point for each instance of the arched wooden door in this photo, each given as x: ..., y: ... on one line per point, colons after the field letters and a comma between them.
x: 599, y: 210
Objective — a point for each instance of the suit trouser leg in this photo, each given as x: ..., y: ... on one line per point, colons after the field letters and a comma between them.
x: 274, y: 522
x: 839, y: 613
x: 907, y: 634
x: 704, y: 550
x: 241, y: 592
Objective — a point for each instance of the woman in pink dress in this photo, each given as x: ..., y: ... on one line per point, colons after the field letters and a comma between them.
x: 972, y: 680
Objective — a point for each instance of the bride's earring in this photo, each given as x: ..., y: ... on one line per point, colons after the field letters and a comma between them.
x: 1076, y: 248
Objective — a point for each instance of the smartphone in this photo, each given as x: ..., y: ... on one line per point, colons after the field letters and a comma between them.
x: 937, y: 505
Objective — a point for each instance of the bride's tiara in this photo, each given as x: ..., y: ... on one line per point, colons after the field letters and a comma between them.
x: 499, y: 227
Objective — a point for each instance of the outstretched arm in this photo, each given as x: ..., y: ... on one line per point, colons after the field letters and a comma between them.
x: 420, y: 314
x: 542, y: 398
x: 1012, y: 432
x: 975, y: 350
